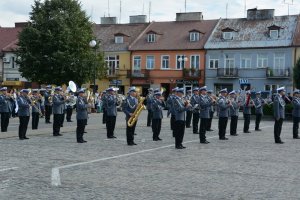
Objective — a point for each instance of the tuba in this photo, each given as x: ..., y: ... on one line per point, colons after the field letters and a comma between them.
x: 140, y: 107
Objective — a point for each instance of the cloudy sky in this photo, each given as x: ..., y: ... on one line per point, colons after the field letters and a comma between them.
x: 160, y: 10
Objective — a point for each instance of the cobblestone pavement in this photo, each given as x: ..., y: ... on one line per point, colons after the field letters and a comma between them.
x: 249, y: 166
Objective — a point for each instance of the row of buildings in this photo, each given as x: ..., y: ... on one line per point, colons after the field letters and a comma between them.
x: 257, y: 52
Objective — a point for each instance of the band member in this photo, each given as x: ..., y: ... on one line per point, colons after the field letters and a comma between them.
x: 205, y: 105
x: 129, y: 107
x: 279, y: 113
x: 170, y: 105
x: 111, y: 110
x: 157, y: 115
x: 259, y: 105
x: 81, y: 116
x: 69, y: 107
x: 48, y: 104
x: 36, y: 109
x: 189, y: 113
x: 234, y: 113
x: 296, y: 114
x: 58, y: 111
x: 223, y: 106
x: 23, y: 113
x: 5, y: 109
x: 248, y: 103
x: 211, y: 110
x: 149, y: 100
x: 103, y: 98
x: 42, y: 93
x: 180, y: 107
x: 196, y: 114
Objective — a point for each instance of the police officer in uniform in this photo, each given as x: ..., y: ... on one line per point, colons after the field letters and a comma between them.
x: 248, y: 103
x: 157, y: 115
x: 48, y: 104
x: 180, y: 107
x: 103, y: 98
x: 69, y: 107
x: 36, y: 109
x: 23, y: 113
x: 234, y: 113
x: 259, y: 105
x: 211, y: 110
x: 149, y: 100
x: 196, y: 111
x: 205, y: 105
x: 170, y: 105
x: 5, y: 109
x: 279, y: 113
x: 111, y: 110
x: 189, y: 113
x: 81, y: 116
x: 296, y: 113
x: 223, y: 106
x: 58, y: 111
x: 129, y: 107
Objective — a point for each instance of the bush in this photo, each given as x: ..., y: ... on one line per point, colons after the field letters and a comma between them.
x: 269, y: 111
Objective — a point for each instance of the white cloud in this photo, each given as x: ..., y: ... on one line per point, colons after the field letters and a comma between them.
x: 161, y: 10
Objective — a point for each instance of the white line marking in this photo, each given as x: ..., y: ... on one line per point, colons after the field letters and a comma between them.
x: 55, y: 177
x: 7, y: 169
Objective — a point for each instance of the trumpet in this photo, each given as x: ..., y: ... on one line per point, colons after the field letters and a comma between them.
x: 33, y: 100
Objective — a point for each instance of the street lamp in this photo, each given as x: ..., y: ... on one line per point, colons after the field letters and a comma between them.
x: 182, y: 59
x: 93, y: 44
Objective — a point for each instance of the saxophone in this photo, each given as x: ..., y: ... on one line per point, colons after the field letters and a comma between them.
x: 140, y: 107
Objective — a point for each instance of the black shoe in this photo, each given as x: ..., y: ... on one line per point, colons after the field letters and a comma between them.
x: 224, y: 138
x: 234, y: 134
x: 183, y: 146
x: 59, y: 134
x: 21, y: 138
x: 80, y: 142
x: 26, y: 138
x: 134, y: 143
x: 179, y: 147
x: 279, y: 142
x: 159, y: 138
x: 204, y: 142
x: 4, y: 131
x: 84, y: 141
x: 297, y: 137
x: 247, y: 132
x: 84, y: 132
x: 61, y: 125
x: 130, y: 144
x: 134, y: 134
x: 148, y: 125
x: 155, y: 139
x: 111, y: 137
x: 48, y: 122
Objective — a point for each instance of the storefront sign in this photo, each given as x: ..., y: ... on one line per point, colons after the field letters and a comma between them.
x: 187, y: 82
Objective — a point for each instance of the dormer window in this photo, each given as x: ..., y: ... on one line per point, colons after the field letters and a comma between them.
x: 119, y: 39
x: 194, y: 36
x: 274, y: 34
x: 151, y: 37
x: 227, y: 35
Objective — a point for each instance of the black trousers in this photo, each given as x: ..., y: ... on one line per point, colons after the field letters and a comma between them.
x: 277, y: 129
x: 110, y: 125
x: 211, y: 115
x: 246, y: 122
x: 130, y: 132
x: 172, y: 122
x: 62, y: 119
x: 69, y: 113
x: 48, y: 112
x: 233, y: 125
x: 4, y: 121
x: 24, y: 120
x: 222, y: 126
x: 80, y: 129
x: 179, y: 132
x: 188, y: 120
x: 156, y: 127
x: 257, y: 121
x: 104, y: 116
x: 296, y: 121
x: 57, y: 123
x: 202, y: 129
x: 195, y: 122
x: 35, y: 120
x: 149, y: 117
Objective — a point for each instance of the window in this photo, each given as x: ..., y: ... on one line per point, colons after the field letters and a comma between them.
x: 137, y: 63
x: 279, y: 61
x: 271, y: 87
x: 262, y: 60
x: 112, y: 64
x: 165, y: 62
x: 180, y: 61
x: 13, y: 62
x: 213, y: 62
x: 227, y: 36
x: 194, y: 36
x: 150, y: 62
x: 195, y: 62
x: 119, y: 39
x: 229, y: 61
x: 274, y: 34
x: 151, y: 37
x: 246, y: 61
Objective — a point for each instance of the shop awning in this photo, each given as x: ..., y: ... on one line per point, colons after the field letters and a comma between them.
x: 12, y: 83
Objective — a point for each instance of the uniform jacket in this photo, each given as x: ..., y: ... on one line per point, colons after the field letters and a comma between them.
x: 111, y: 105
x: 103, y: 98
x: 194, y: 101
x: 223, y: 107
x: 179, y: 109
x: 129, y: 106
x: 47, y: 95
x: 170, y: 104
x: 37, y: 107
x: 246, y: 109
x: 4, y: 104
x: 149, y: 100
x: 81, y: 109
x: 205, y: 106
x: 279, y: 107
x: 58, y: 104
x: 259, y: 105
x: 24, y: 105
x: 234, y: 109
x: 157, y: 109
x: 296, y: 107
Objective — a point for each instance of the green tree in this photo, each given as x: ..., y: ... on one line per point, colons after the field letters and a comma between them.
x: 296, y: 74
x: 54, y: 47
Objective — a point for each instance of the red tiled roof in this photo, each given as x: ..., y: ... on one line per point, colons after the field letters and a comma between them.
x: 175, y: 35
x: 8, y: 38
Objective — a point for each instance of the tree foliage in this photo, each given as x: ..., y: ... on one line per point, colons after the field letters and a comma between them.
x: 54, y: 47
x: 296, y: 74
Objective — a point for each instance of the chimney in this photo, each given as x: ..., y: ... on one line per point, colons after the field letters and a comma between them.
x: 190, y: 16
x: 137, y: 19
x: 255, y: 14
x: 108, y: 20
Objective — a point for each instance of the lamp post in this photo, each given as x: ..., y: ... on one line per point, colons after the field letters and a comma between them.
x: 182, y: 59
x: 93, y: 44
